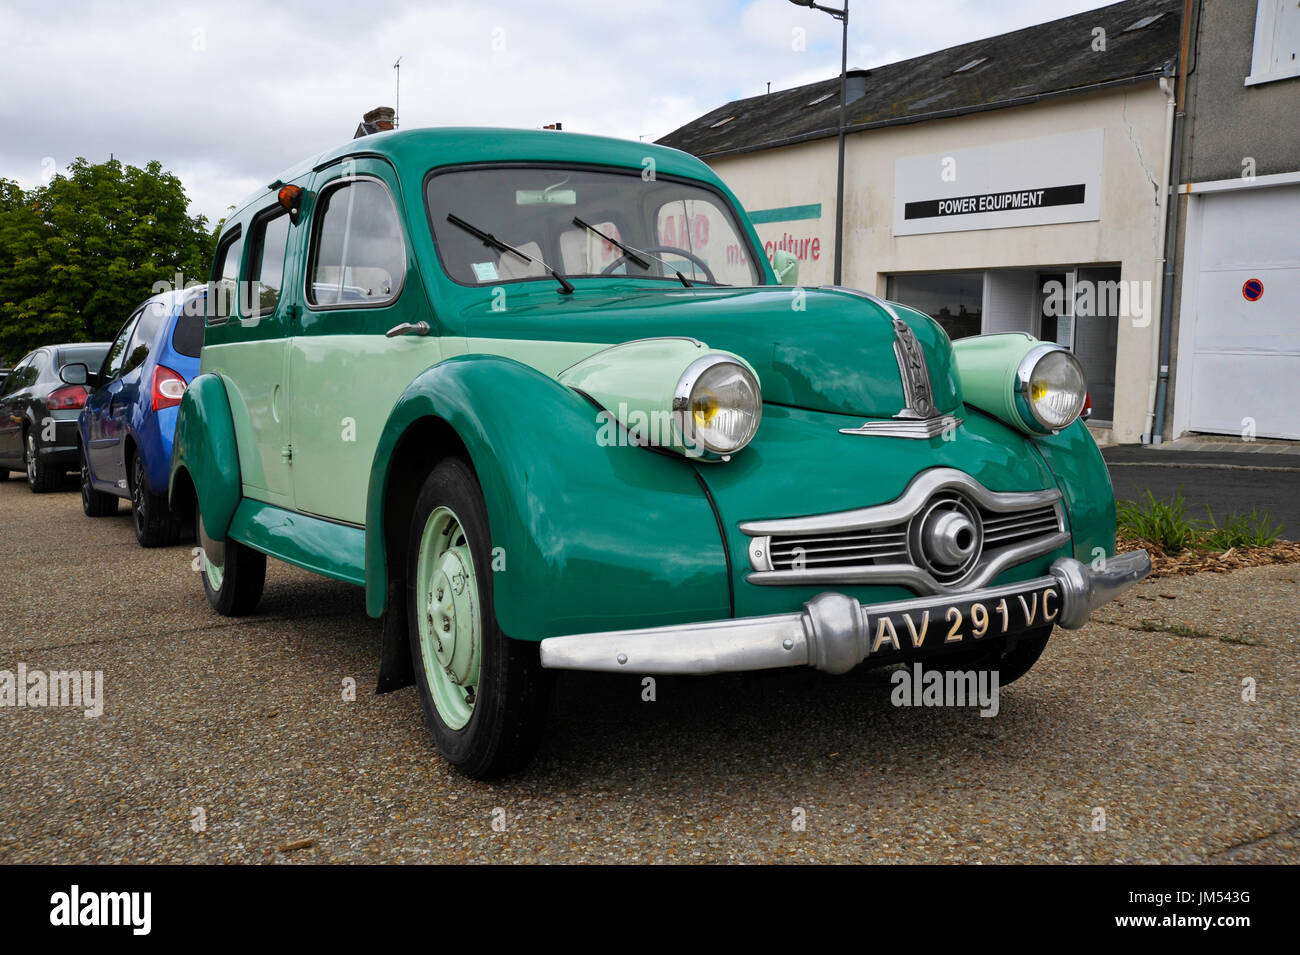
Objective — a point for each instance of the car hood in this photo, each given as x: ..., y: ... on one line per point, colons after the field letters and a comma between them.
x: 822, y: 349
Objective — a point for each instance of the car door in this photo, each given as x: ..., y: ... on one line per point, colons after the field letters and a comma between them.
x: 345, y: 375
x: 124, y: 408
x: 246, y: 344
x: 11, y: 420
x: 101, y: 427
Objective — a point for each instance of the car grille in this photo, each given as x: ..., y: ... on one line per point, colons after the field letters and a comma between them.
x: 894, y: 543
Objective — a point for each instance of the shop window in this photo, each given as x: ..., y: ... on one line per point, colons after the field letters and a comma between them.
x: 953, y: 299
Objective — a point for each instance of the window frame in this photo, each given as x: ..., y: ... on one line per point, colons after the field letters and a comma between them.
x: 231, y: 237
x: 257, y: 243
x: 313, y: 245
x: 737, y: 211
x: 1262, y: 69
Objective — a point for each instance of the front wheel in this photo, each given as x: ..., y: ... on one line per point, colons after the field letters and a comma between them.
x: 233, y: 575
x: 94, y: 503
x: 484, y: 695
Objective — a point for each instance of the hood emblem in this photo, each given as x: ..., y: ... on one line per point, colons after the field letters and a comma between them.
x: 912, y: 369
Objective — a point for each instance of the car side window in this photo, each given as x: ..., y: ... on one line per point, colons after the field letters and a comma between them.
x: 270, y: 237
x: 116, y: 356
x: 146, y: 332
x: 222, y: 296
x: 15, y: 380
x: 358, y: 253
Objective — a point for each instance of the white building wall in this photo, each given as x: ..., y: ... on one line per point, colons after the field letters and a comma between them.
x: 1127, y: 234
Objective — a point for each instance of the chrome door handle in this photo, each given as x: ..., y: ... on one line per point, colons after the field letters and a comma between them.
x: 420, y: 328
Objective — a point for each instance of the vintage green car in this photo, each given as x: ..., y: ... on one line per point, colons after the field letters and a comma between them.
x: 544, y: 398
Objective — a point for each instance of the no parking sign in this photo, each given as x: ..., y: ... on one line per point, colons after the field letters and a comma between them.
x: 1252, y: 290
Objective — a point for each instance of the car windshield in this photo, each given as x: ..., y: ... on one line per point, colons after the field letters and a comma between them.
x: 679, y: 226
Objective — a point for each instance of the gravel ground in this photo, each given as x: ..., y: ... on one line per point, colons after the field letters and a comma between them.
x: 244, y: 725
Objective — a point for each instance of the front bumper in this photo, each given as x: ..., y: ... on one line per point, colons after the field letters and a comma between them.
x: 833, y: 631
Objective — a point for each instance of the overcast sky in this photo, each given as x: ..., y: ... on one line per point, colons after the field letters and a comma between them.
x: 228, y: 95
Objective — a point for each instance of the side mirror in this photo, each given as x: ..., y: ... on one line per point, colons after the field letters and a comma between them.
x: 75, y: 373
x: 786, y: 267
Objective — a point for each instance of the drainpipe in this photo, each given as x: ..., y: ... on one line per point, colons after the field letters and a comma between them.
x: 1171, y: 227
x: 1164, y: 291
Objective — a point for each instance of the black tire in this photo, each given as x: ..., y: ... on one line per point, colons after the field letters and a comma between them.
x: 511, y: 697
x: 242, y: 573
x: 1011, y: 659
x: 94, y: 503
x: 40, y: 478
x: 4, y: 475
x: 150, y: 515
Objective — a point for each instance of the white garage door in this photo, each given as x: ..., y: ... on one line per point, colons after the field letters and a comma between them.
x: 1245, y: 356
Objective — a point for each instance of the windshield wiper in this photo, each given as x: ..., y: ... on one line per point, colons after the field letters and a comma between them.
x: 493, y: 242
x: 630, y: 252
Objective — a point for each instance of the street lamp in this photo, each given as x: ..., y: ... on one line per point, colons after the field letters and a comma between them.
x: 843, y: 17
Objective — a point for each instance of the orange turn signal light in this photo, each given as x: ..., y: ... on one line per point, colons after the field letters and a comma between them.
x: 290, y: 197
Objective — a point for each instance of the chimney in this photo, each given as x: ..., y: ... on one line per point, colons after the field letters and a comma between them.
x: 378, y: 120
x: 381, y: 117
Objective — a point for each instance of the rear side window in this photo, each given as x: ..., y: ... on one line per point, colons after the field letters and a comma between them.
x: 270, y: 236
x: 187, y: 338
x: 358, y: 255
x: 222, y: 296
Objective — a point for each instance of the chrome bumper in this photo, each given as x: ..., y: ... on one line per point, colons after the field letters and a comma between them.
x: 831, y: 633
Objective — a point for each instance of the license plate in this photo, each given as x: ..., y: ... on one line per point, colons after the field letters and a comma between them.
x: 962, y: 621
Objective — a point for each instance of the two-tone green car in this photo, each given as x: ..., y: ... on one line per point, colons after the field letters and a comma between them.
x: 544, y: 398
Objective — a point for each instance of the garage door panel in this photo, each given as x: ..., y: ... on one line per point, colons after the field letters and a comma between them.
x: 1227, y: 389
x: 1246, y: 355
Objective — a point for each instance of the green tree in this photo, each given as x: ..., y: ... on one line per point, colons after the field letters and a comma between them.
x: 78, y: 254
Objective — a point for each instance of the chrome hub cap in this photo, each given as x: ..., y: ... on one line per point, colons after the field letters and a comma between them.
x: 450, y: 626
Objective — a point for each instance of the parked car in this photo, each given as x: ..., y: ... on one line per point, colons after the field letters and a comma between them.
x: 543, y: 397
x: 38, y: 414
x: 125, y: 431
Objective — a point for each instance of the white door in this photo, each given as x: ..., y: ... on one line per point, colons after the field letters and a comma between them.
x: 1245, y: 355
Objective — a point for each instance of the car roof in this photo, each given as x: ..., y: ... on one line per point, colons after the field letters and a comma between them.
x: 457, y: 145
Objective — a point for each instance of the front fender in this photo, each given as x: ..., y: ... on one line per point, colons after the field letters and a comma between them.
x: 1081, y: 473
x: 587, y: 533
x: 204, y: 446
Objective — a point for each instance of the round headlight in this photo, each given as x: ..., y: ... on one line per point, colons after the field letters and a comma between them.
x: 717, y: 406
x: 1051, y: 381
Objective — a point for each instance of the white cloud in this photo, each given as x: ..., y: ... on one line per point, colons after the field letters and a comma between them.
x: 227, y: 96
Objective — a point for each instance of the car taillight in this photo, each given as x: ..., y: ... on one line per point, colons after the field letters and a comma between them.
x: 168, y: 388
x: 1086, y: 413
x: 68, y: 398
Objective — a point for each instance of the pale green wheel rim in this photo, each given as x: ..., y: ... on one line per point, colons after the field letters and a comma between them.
x: 214, y: 557
x: 448, y: 615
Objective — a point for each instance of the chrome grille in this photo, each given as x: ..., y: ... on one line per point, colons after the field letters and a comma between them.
x: 888, y: 543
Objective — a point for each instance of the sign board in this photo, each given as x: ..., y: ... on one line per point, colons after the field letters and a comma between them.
x: 1025, y: 182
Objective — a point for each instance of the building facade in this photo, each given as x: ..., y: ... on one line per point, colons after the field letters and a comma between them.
x: 1234, y: 348
x: 1015, y: 183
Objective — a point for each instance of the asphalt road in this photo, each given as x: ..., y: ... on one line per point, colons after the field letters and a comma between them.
x: 1225, y: 482
x: 231, y: 741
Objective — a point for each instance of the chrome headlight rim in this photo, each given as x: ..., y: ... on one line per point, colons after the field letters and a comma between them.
x: 696, y: 446
x: 1028, y: 412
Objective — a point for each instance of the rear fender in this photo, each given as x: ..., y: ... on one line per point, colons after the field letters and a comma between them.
x: 204, y: 450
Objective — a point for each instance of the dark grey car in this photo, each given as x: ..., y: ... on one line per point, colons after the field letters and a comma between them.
x: 38, y: 414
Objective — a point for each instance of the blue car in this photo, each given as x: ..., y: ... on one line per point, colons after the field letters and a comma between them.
x: 125, y: 431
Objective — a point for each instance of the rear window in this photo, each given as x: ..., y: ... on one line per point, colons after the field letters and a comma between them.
x: 92, y: 356
x: 187, y: 339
